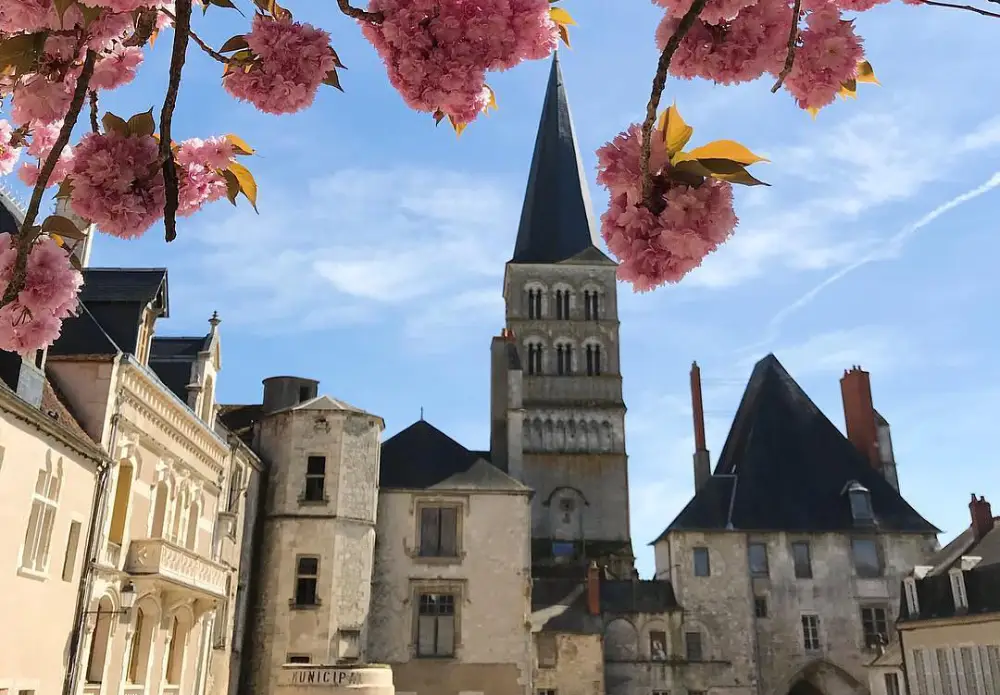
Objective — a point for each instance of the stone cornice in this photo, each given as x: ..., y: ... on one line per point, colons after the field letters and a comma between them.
x: 17, y: 408
x: 147, y: 395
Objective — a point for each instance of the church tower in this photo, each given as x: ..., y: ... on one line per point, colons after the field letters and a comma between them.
x: 556, y: 377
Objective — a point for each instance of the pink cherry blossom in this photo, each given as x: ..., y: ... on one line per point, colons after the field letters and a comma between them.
x: 23, y: 15
x: 8, y: 153
x: 39, y: 98
x: 827, y: 57
x: 654, y: 249
x: 199, y: 186
x: 116, y: 183
x: 28, y: 173
x: 214, y: 153
x: 293, y: 61
x: 117, y: 68
x: 714, y: 12
x: 437, y: 52
x: 109, y: 28
x: 34, y: 319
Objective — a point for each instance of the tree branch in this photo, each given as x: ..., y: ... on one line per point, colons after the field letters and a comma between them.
x: 182, y: 30
x: 967, y: 8
x: 197, y: 39
x: 793, y: 36
x: 93, y: 111
x: 26, y: 236
x: 145, y: 27
x: 659, y: 82
x: 361, y: 15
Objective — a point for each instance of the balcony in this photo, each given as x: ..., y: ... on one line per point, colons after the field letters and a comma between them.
x: 185, y: 569
x: 134, y: 690
x: 580, y: 390
x: 111, y: 555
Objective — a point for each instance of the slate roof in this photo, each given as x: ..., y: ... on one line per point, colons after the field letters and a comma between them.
x: 784, y: 467
x: 557, y: 220
x: 172, y: 359
x: 240, y: 419
x: 560, y: 605
x: 422, y: 457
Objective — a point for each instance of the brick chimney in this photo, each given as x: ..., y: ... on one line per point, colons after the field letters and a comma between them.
x: 593, y: 589
x: 859, y: 414
x: 982, y: 516
x: 702, y: 461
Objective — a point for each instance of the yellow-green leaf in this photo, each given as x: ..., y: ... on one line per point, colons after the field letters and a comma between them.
x: 239, y: 144
x: 676, y: 133
x: 812, y: 111
x: 459, y: 127
x: 492, y: 103
x: 234, y: 43
x: 333, y: 79
x: 564, y: 35
x: 142, y: 124
x: 866, y: 73
x: 731, y: 171
x: 725, y: 149
x: 113, y: 123
x: 244, y: 178
x: 438, y: 117
x: 21, y: 50
x: 61, y: 7
x: 232, y: 186
x: 65, y: 189
x: 561, y: 16
x: 63, y: 226
x: 848, y: 89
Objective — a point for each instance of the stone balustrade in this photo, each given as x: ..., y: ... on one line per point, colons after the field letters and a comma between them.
x: 161, y: 558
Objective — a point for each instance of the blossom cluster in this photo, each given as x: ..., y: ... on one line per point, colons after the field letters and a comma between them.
x: 34, y: 319
x: 659, y: 247
x: 735, y: 41
x: 437, y: 52
x: 290, y: 61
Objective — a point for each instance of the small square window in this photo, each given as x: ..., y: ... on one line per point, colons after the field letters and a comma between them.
x: 758, y: 560
x: 760, y: 607
x: 702, y: 565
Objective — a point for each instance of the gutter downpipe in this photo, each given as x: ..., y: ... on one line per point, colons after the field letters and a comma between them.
x: 97, y: 517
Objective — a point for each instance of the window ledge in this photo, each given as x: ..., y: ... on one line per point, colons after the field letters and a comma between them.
x: 304, y: 606
x: 437, y: 657
x: 437, y: 559
x: 29, y: 573
x: 303, y: 502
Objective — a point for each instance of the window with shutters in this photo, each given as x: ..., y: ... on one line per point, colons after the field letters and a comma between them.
x: 72, y: 544
x: 971, y: 671
x: 892, y: 684
x: 439, y: 530
x: 436, y: 625
x: 945, y: 671
x: 958, y: 595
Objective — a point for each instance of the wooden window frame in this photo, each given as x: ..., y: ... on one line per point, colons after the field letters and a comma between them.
x: 439, y: 503
x: 455, y: 588
x: 293, y: 602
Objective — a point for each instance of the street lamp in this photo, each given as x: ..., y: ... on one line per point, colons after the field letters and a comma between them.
x: 126, y: 599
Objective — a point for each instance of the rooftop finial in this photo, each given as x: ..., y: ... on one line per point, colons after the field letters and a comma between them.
x: 421, y: 413
x: 215, y: 320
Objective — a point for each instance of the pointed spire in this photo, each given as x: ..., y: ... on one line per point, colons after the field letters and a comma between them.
x: 557, y: 221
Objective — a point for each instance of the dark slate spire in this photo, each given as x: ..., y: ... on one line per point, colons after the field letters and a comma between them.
x: 557, y: 222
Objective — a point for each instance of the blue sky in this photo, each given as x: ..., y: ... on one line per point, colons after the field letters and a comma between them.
x: 376, y: 261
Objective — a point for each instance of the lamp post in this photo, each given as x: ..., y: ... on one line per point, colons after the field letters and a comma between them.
x: 126, y: 598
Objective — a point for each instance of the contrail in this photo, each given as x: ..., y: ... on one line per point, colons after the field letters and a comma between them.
x: 890, y: 248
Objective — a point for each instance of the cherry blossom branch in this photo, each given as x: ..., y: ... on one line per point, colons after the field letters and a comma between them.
x: 793, y: 37
x: 968, y: 8
x: 659, y: 82
x: 145, y: 26
x: 182, y: 30
x: 361, y: 15
x: 25, y: 236
x: 197, y: 39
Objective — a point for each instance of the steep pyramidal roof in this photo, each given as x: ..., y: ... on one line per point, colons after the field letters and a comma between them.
x: 557, y: 220
x: 784, y: 468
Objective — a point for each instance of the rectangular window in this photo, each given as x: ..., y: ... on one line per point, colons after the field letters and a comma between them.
x: 802, y: 559
x: 547, y: 652
x: 971, y: 670
x: 758, y: 560
x: 546, y: 691
x: 702, y: 566
x: 657, y: 645
x: 306, y: 580
x: 875, y: 626
x: 692, y: 646
x: 436, y: 625
x: 760, y: 607
x: 867, y: 562
x: 919, y: 678
x: 38, y: 537
x: 810, y: 632
x: 315, y: 479
x: 438, y: 532
x: 69, y: 562
x: 891, y: 684
x: 298, y: 659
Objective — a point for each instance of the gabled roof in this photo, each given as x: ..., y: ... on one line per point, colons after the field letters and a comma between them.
x: 423, y: 457
x: 784, y: 467
x: 557, y: 220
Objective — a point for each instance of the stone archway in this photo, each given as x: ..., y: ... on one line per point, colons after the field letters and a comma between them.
x: 822, y: 677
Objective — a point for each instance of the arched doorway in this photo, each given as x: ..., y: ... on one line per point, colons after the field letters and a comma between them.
x: 822, y: 677
x: 805, y: 688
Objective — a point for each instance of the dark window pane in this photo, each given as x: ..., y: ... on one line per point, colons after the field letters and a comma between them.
x: 760, y: 607
x: 449, y: 532
x: 758, y: 560
x: 308, y: 566
x: 316, y: 465
x: 861, y: 507
x: 701, y: 563
x: 305, y: 592
x: 802, y: 559
x: 430, y: 531
x: 315, y: 488
x: 692, y: 644
x: 866, y: 558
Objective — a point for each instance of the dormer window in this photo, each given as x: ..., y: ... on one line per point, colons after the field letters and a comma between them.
x: 861, y: 502
x: 958, y: 594
x: 912, y: 602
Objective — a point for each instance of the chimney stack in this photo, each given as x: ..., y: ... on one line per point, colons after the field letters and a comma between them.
x: 702, y: 463
x: 982, y: 516
x: 859, y: 414
x: 593, y: 589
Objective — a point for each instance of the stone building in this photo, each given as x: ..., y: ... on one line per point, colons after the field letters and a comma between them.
x: 949, y: 626
x: 788, y: 559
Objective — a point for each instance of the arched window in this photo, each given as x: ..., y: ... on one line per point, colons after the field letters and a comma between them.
x: 175, y: 658
x: 235, y: 485
x: 100, y: 641
x: 208, y: 400
x: 44, y: 503
x: 564, y: 358
x: 562, y: 303
x: 159, y: 522
x: 591, y: 304
x: 192, y: 527
x: 534, y: 302
x: 534, y: 357
x: 142, y: 642
x: 122, y: 501
x: 594, y: 359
